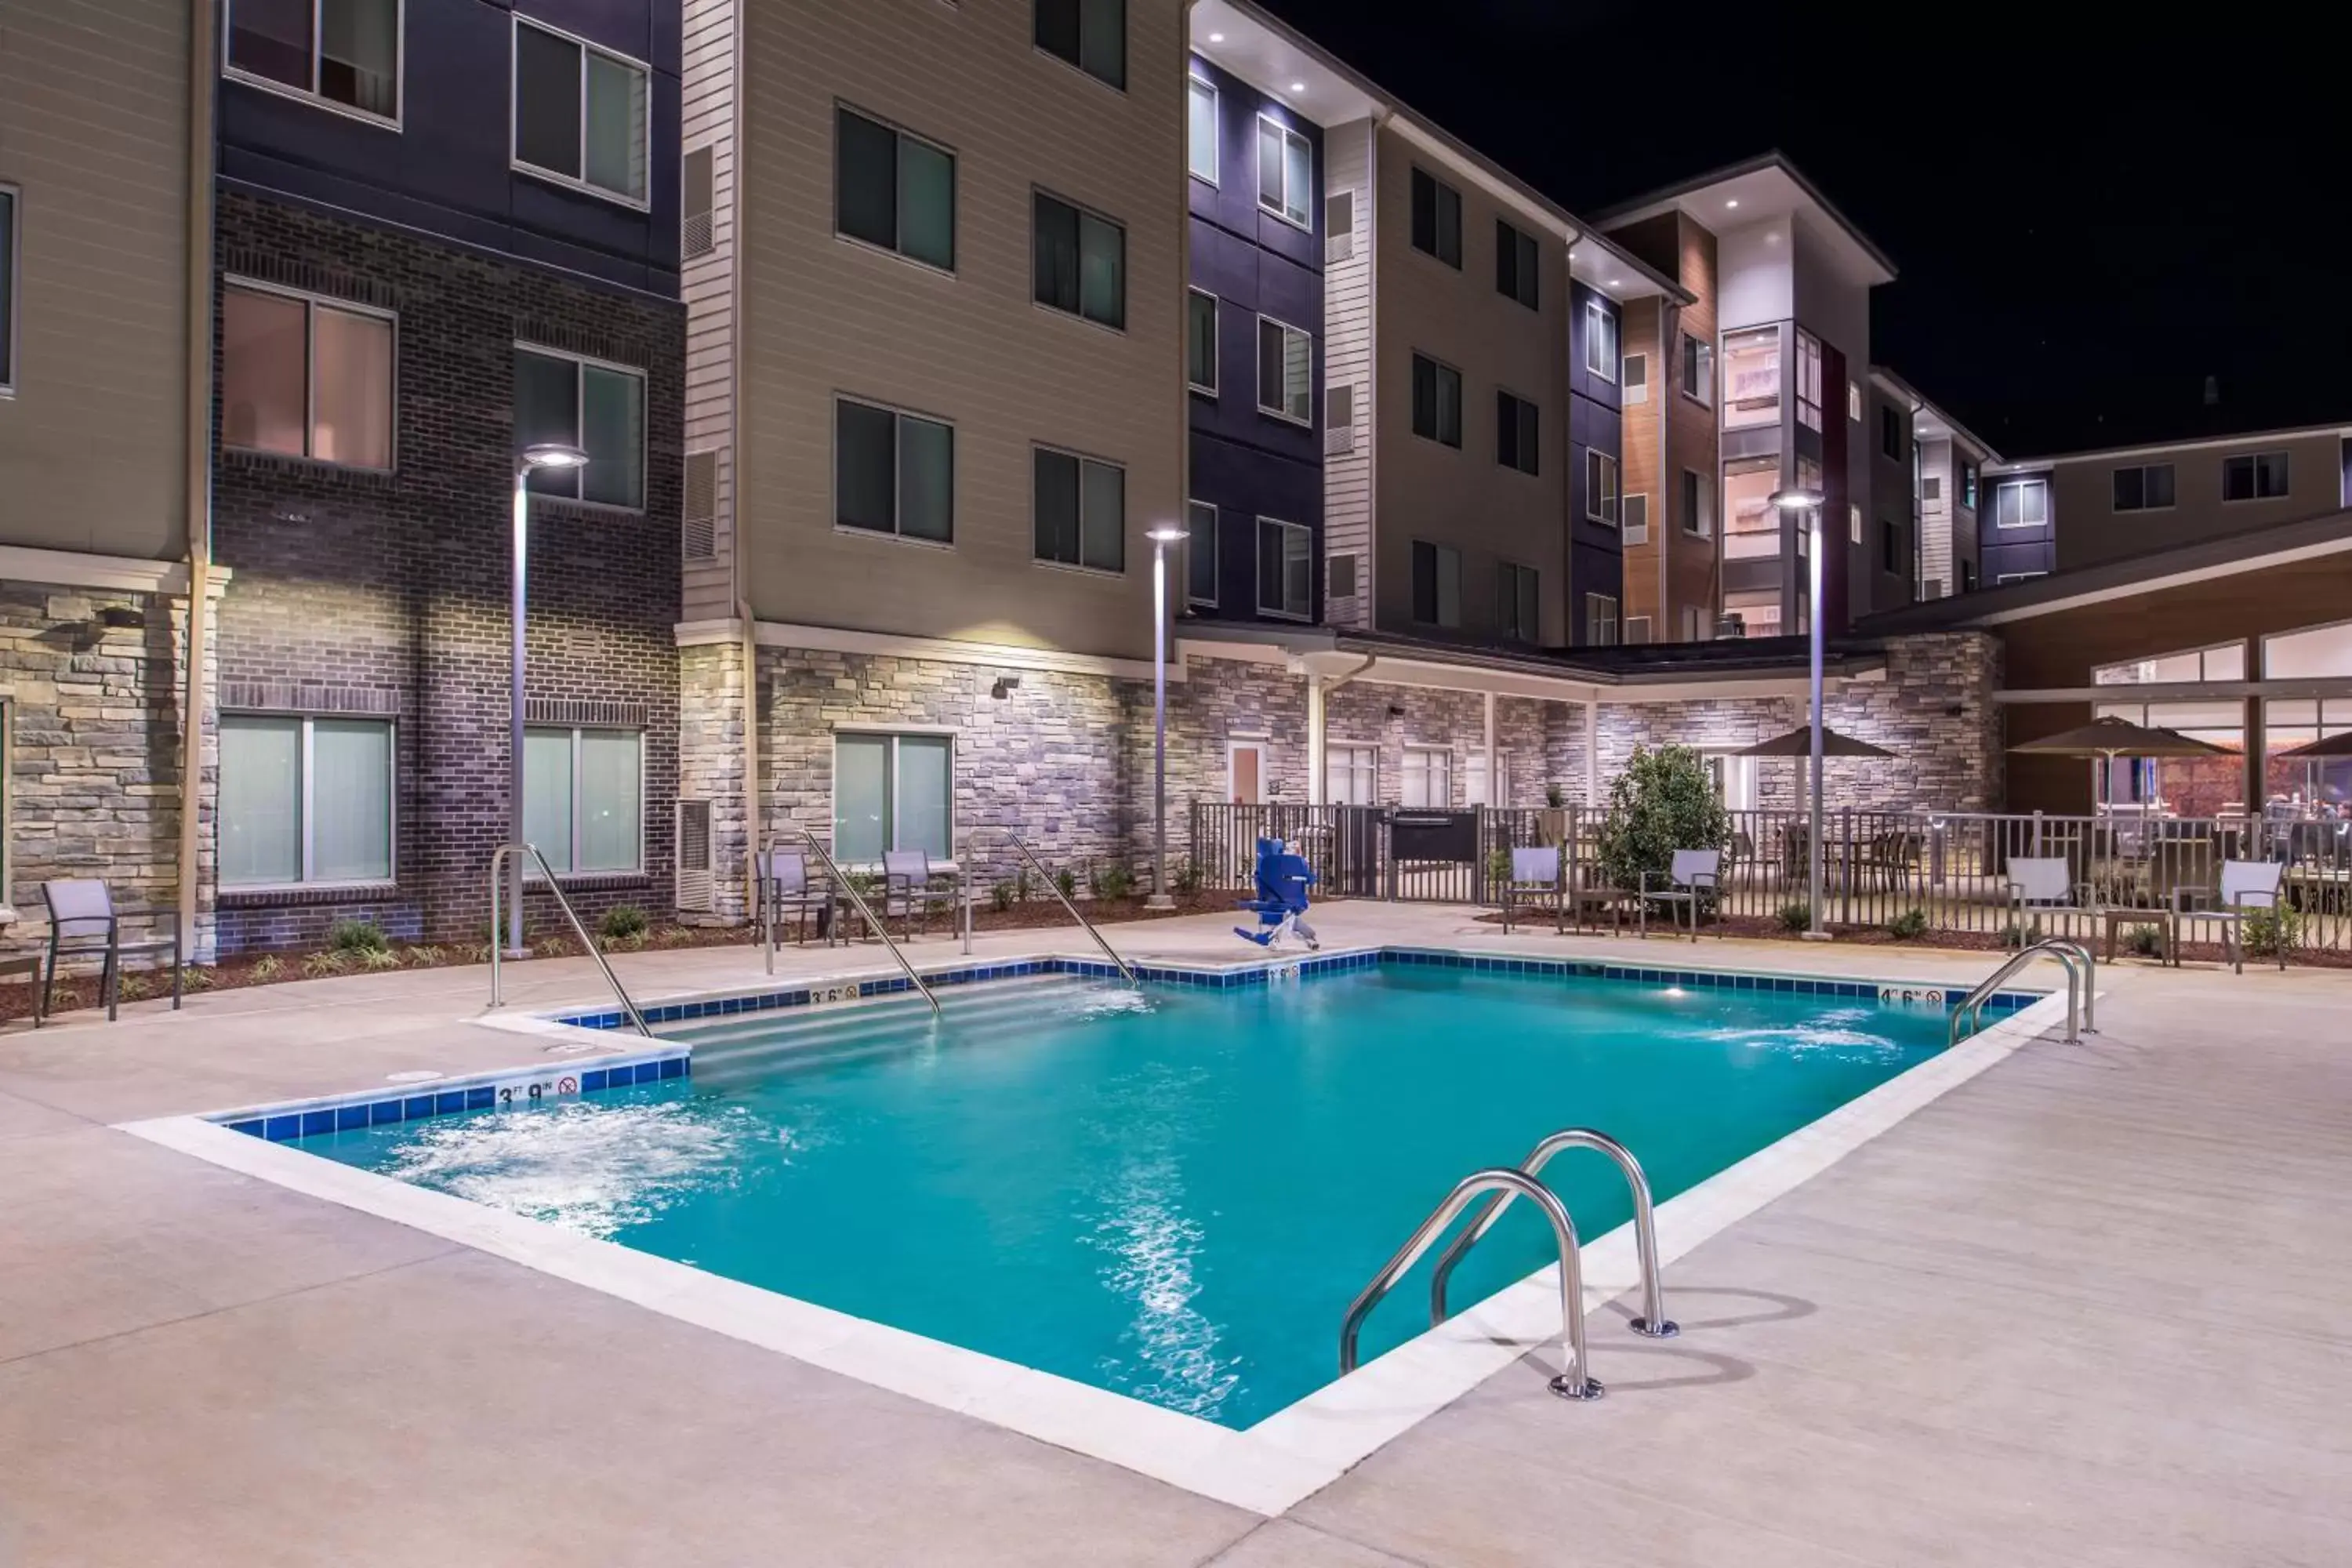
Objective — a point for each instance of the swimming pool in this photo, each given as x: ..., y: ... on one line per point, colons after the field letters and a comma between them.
x: 1172, y: 1195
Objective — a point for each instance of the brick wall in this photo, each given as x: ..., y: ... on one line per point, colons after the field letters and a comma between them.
x: 387, y: 593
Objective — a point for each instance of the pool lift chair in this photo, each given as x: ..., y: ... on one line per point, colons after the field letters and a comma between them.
x: 1283, y: 878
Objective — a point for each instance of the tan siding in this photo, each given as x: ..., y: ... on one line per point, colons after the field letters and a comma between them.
x: 707, y: 284
x: 1347, y: 361
x: 1936, y: 567
x: 824, y: 316
x: 2091, y: 531
x: 93, y: 135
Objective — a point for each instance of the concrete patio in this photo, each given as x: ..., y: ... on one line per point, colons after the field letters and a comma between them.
x: 2082, y: 1310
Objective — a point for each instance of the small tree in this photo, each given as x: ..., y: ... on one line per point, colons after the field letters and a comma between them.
x: 1664, y: 801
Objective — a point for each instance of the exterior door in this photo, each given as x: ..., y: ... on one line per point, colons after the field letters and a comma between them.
x: 1245, y: 773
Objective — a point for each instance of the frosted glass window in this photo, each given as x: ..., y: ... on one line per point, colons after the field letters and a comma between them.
x: 547, y: 795
x: 260, y: 801
x: 861, y: 797
x: 350, y: 800
x: 1428, y: 778
x: 1200, y: 144
x: 892, y: 792
x: 926, y: 203
x: 1286, y: 371
x: 616, y: 129
x: 352, y: 394
x: 611, y: 798
x: 305, y: 800
x: 924, y: 804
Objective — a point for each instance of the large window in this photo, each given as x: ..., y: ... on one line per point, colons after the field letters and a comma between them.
x: 304, y: 800
x: 583, y: 798
x: 2222, y: 661
x: 1698, y: 370
x: 1753, y: 615
x: 1601, y: 619
x: 1890, y: 431
x: 1518, y: 441
x: 305, y: 378
x: 343, y: 52
x: 2257, y: 476
x: 1515, y: 264
x: 580, y: 113
x: 1429, y: 777
x: 2147, y: 487
x: 1751, y: 378
x: 2313, y: 653
x: 892, y: 792
x: 1080, y: 261
x: 2021, y: 503
x: 1200, y: 340
x: 893, y: 472
x: 1081, y: 511
x: 1201, y: 129
x: 1436, y: 401
x: 1436, y: 218
x: 1600, y: 487
x: 1286, y: 171
x: 1601, y: 340
x: 1200, y: 554
x: 1286, y: 371
x: 1516, y: 604
x: 7, y: 288
x: 1967, y: 483
x: 1437, y: 583
x: 597, y: 408
x: 894, y: 190
x: 1808, y: 382
x: 1285, y: 569
x: 1351, y: 775
x: 1089, y: 34
x: 1699, y: 504
x: 1751, y: 524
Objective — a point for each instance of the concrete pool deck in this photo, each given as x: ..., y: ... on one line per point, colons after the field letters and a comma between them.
x: 2079, y: 1309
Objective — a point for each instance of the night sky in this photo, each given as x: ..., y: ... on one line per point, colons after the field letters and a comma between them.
x: 2087, y: 222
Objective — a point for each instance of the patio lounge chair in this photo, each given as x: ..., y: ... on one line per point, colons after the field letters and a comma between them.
x: 783, y: 880
x: 2039, y: 885
x: 2247, y: 887
x: 1692, y: 873
x: 1542, y: 873
x: 906, y: 886
x: 83, y: 921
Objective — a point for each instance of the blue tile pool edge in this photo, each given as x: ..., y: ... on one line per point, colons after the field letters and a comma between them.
x: 288, y: 1120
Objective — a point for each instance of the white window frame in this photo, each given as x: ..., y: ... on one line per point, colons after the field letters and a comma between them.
x: 313, y: 96
x: 2003, y: 579
x: 1276, y: 610
x: 1808, y: 380
x: 1216, y: 341
x: 12, y: 308
x: 2022, y: 486
x: 392, y: 803
x: 571, y: 855
x: 1082, y: 459
x: 514, y: 116
x: 1594, y: 620
x: 1703, y: 352
x: 2286, y: 462
x: 1265, y: 320
x: 893, y: 734
x: 1593, y: 510
x: 1216, y: 129
x: 1367, y: 772
x: 1306, y: 224
x: 1436, y: 765
x: 1217, y: 521
x: 1635, y: 391
x: 832, y: 481
x: 1598, y: 317
x: 1234, y: 746
x: 312, y: 302
x: 2143, y: 470
x: 1853, y: 523
x: 1854, y: 401
x: 580, y: 412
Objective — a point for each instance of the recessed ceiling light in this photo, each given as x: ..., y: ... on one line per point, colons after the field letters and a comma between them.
x: 1616, y: 282
x: 1732, y: 202
x: 1220, y: 37
x: 1298, y: 86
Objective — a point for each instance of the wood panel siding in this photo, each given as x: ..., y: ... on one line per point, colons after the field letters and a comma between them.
x: 1347, y: 344
x: 707, y: 283
x: 94, y: 141
x: 1646, y: 327
x: 1693, y: 579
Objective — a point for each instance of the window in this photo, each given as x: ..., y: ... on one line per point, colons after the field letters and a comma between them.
x: 2258, y: 476
x: 597, y: 408
x: 1436, y: 218
x: 1809, y: 381
x: 1633, y: 526
x: 1698, y: 370
x: 1436, y: 584
x: 1516, y: 441
x: 1351, y: 775
x: 1515, y: 264
x: 1967, y: 576
x: 697, y: 198
x: 7, y: 290
x: 1751, y: 378
x: 1285, y: 569
x: 1890, y: 548
x: 1696, y: 626
x: 1751, y: 614
x: 1201, y: 554
x: 1516, y: 606
x: 892, y: 472
x: 1286, y: 171
x: 1853, y: 525
x: 1751, y: 524
x: 1081, y: 511
x: 1637, y: 378
x: 1601, y: 340
x: 1931, y: 487
x: 1080, y: 262
x: 1968, y: 484
x: 1339, y: 415
x: 1637, y: 629
x: 892, y: 792
x: 2147, y: 487
x: 2004, y: 579
x: 894, y: 190
x: 1601, y: 619
x: 1428, y: 777
x: 583, y: 798
x: 580, y: 113
x: 2021, y: 503
x: 1286, y: 371
x: 1200, y: 143
x: 304, y: 800
x: 2216, y: 661
x: 1600, y: 487
x: 1854, y: 401
x: 343, y: 52
x: 1436, y: 401
x: 1200, y: 342
x: 1890, y: 431
x: 1699, y: 504
x: 1089, y: 34
x: 303, y: 377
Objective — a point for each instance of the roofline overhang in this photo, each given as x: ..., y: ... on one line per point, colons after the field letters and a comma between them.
x: 2197, y: 443
x: 1889, y: 381
x: 1666, y: 196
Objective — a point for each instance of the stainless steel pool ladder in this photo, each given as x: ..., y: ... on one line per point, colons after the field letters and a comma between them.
x: 1039, y: 867
x: 498, y: 933
x: 1654, y: 1321
x: 842, y: 884
x: 2082, y: 983
x: 1572, y: 1382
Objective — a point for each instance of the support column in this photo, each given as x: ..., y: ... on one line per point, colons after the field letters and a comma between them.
x: 1319, y: 783
x: 1493, y: 773
x: 1592, y: 752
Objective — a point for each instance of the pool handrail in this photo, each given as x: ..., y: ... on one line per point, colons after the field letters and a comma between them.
x: 1572, y: 1382
x: 1108, y: 951
x: 498, y: 866
x: 2082, y: 989
x: 843, y: 885
x: 1654, y: 1321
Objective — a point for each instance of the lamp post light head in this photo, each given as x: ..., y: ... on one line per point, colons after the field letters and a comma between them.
x: 1165, y: 533
x: 551, y: 455
x: 1796, y: 500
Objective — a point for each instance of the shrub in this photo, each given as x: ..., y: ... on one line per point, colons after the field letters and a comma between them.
x: 2268, y: 933
x: 1021, y: 884
x: 2015, y: 935
x: 1093, y: 881
x: 1908, y: 926
x: 357, y: 937
x: 2145, y: 942
x: 425, y: 957
x: 195, y: 977
x: 673, y: 936
x: 1662, y: 802
x: 1555, y: 796
x: 1189, y: 877
x: 325, y: 963
x: 552, y: 947
x: 1117, y: 881
x: 622, y: 921
x: 1499, y: 868
x: 132, y: 985
x: 379, y: 957
x: 267, y: 968
x: 1796, y: 917
x: 1000, y: 897
x: 1069, y: 883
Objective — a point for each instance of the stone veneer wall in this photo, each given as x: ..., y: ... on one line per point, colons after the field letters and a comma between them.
x: 711, y: 767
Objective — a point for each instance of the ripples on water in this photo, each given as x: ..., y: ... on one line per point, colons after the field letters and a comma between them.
x: 1835, y: 1030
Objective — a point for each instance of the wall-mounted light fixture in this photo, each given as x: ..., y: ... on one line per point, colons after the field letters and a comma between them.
x: 1005, y: 686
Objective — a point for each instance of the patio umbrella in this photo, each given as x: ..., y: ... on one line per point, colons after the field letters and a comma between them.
x: 2111, y: 737
x: 2326, y: 746
x: 1799, y: 743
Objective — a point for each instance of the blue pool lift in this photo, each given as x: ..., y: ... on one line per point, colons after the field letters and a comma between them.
x: 1283, y: 878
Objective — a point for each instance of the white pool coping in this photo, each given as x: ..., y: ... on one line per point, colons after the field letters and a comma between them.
x: 1267, y: 1469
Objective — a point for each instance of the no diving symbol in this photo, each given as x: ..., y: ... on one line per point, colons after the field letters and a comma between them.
x: 567, y: 1086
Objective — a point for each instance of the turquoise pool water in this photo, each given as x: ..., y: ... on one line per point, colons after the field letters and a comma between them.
x: 1173, y: 1195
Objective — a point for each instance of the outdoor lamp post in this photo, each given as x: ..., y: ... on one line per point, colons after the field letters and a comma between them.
x: 545, y: 455
x: 1161, y: 536
x: 1808, y: 503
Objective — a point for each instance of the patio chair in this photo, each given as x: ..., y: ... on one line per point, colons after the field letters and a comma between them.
x: 906, y: 886
x: 2247, y: 888
x: 82, y: 922
x: 1691, y: 874
x: 2039, y: 885
x: 784, y: 883
x: 1541, y: 871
